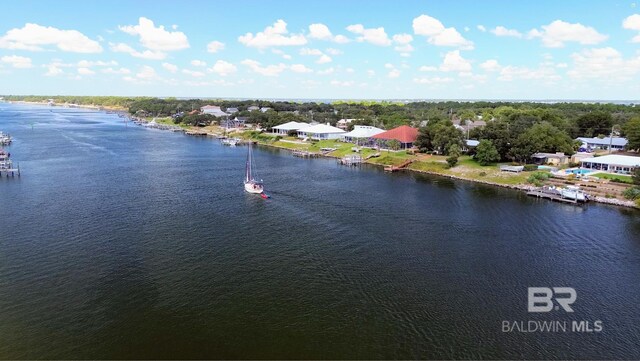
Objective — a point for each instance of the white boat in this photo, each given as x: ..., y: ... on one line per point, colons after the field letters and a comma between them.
x: 573, y: 192
x: 5, y: 139
x: 230, y: 141
x: 251, y: 185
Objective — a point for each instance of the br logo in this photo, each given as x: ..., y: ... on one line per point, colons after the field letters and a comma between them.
x: 541, y: 299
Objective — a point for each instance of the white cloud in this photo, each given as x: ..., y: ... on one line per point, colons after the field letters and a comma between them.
x: 308, y: 51
x: 116, y: 71
x: 332, y: 51
x: 156, y: 38
x: 371, y: 72
x: 604, y: 64
x: 275, y: 35
x: 403, y: 42
x: 491, y: 65
x: 20, y: 62
x: 350, y: 70
x: 375, y: 36
x: 198, y: 63
x: 324, y: 59
x: 223, y: 68
x: 85, y: 71
x: 269, y: 70
x: 562, y: 65
x: 432, y: 81
x: 502, y: 31
x: 146, y: 73
x: 453, y: 61
x: 438, y: 35
x: 53, y: 70
x: 394, y: 73
x: 321, y: 32
x: 89, y: 64
x: 633, y: 23
x: 545, y: 73
x: 300, y: 68
x: 33, y: 37
x: 481, y: 28
x: 170, y: 67
x: 559, y: 32
x: 342, y: 83
x: 215, y: 46
x: 147, y: 54
x: 193, y: 73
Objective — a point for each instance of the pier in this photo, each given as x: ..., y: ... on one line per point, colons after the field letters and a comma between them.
x: 395, y: 168
x: 554, y: 196
x: 351, y: 160
x: 305, y: 154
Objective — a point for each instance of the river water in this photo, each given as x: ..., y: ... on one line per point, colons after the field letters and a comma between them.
x: 124, y: 242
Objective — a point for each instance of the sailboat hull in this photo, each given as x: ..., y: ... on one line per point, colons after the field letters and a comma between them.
x: 253, y: 187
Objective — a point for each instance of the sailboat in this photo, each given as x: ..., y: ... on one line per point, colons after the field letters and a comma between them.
x: 251, y: 185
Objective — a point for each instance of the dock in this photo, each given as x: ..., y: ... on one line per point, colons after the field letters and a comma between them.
x: 305, y: 154
x: 552, y: 196
x: 395, y: 168
x: 351, y: 160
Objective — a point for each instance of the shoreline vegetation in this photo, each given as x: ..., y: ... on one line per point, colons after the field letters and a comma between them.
x: 607, y: 189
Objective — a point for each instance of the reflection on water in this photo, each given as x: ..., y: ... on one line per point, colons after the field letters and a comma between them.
x: 123, y: 242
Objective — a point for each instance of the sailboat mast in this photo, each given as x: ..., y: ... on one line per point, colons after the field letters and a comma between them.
x: 249, y: 160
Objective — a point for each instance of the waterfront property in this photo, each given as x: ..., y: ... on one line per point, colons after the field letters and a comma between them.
x: 284, y: 129
x: 320, y: 132
x: 213, y: 110
x: 616, y: 143
x: 558, y: 158
x: 404, y: 134
x: 361, y: 134
x: 621, y: 164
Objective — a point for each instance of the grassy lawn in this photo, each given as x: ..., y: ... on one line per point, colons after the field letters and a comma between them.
x: 616, y: 177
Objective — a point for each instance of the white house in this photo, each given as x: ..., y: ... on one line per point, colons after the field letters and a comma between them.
x: 617, y: 143
x: 232, y: 110
x: 361, y: 132
x: 344, y: 123
x: 213, y: 110
x: 613, y: 163
x: 284, y: 129
x: 320, y: 132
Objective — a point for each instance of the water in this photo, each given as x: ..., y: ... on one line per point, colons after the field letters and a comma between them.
x: 124, y: 242
x: 577, y: 171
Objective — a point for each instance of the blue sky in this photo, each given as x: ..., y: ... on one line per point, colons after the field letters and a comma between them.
x: 323, y: 49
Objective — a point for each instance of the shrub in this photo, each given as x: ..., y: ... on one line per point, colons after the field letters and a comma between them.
x: 278, y: 138
x: 632, y: 193
x: 530, y: 167
x: 638, y: 202
x: 538, y: 178
x: 482, y: 174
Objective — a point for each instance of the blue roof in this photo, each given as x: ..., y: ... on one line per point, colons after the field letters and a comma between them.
x: 617, y: 141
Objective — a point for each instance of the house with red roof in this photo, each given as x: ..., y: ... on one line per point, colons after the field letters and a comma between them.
x: 404, y: 134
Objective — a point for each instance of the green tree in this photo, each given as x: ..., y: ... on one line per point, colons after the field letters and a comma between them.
x: 454, y: 153
x: 595, y: 123
x: 636, y: 176
x: 486, y: 153
x: 393, y: 144
x: 541, y: 137
x: 444, y: 135
x: 632, y: 131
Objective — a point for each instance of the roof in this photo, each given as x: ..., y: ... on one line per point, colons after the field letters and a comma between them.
x: 617, y: 141
x: 624, y: 160
x: 403, y: 134
x: 291, y: 126
x: 472, y: 142
x: 210, y: 107
x: 321, y: 129
x: 548, y: 155
x: 363, y: 131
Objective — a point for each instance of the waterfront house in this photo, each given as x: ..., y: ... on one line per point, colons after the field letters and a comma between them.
x: 613, y: 163
x: 320, y: 132
x: 361, y: 134
x: 213, y: 110
x: 284, y: 129
x: 558, y: 158
x: 404, y: 134
x: 589, y: 144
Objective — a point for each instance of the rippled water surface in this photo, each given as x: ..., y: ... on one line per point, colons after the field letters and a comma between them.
x: 124, y: 242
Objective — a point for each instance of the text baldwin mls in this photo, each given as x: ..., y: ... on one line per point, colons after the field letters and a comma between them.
x: 541, y: 299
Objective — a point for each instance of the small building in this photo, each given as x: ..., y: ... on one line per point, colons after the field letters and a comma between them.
x: 284, y: 129
x: 558, y: 158
x: 213, y: 110
x: 232, y: 110
x: 470, y: 144
x: 344, y: 123
x: 320, y: 132
x: 265, y: 109
x: 613, y: 163
x: 361, y: 134
x: 253, y: 108
x: 237, y: 122
x: 589, y: 144
x: 404, y: 134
